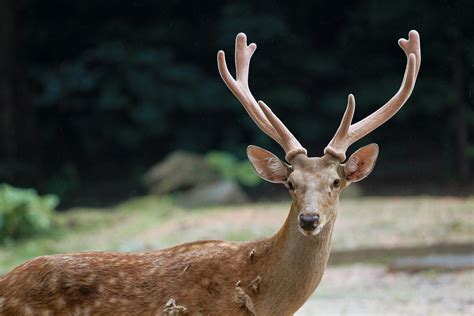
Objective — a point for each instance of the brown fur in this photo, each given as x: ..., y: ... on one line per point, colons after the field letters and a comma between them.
x: 141, y: 284
x: 270, y: 276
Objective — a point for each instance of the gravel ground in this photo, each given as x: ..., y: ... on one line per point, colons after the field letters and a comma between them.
x: 370, y: 290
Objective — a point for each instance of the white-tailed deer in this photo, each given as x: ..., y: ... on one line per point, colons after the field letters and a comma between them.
x: 270, y: 276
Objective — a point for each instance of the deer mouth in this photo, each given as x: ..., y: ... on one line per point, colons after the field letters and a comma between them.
x: 312, y: 231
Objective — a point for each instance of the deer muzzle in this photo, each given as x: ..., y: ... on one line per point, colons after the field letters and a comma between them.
x: 308, y: 221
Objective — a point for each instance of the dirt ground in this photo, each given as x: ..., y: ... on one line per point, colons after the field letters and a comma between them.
x: 358, y: 285
x: 370, y: 290
x: 361, y: 223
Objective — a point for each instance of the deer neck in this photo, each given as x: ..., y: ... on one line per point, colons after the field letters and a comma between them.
x: 298, y: 262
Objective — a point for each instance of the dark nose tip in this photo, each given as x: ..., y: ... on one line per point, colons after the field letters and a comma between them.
x: 309, y: 221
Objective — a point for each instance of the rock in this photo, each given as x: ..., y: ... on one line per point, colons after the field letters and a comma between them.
x: 179, y: 171
x: 197, y: 183
x: 216, y: 193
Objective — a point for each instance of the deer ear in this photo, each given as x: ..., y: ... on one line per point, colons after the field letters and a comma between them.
x: 361, y: 163
x: 267, y: 165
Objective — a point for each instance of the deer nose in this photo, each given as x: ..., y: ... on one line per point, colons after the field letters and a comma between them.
x: 309, y: 221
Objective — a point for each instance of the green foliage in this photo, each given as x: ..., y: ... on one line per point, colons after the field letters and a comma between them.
x: 23, y: 212
x: 229, y: 167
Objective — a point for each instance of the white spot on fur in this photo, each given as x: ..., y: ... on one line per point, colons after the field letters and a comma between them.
x: 137, y: 291
x: 77, y: 311
x: 12, y: 280
x: 67, y: 258
x: 112, y: 281
x: 153, y: 271
x: 86, y: 311
x: 60, y: 302
x: 2, y: 302
x: 90, y: 279
x: 53, y: 282
x: 230, y: 246
x: 27, y: 310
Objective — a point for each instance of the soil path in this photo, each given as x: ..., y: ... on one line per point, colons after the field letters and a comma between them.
x: 370, y: 290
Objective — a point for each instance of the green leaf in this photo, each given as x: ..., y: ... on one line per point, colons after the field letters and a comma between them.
x: 24, y: 213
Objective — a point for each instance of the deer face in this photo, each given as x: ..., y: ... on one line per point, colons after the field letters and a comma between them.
x: 314, y: 186
x: 314, y: 183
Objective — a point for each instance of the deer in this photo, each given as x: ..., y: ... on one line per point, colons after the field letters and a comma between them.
x: 268, y: 276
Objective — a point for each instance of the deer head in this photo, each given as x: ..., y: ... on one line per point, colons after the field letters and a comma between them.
x: 315, y: 183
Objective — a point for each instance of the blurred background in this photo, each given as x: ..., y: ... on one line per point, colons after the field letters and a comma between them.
x: 114, y: 124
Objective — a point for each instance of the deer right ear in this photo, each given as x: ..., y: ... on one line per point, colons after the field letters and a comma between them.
x: 361, y: 163
x: 267, y: 165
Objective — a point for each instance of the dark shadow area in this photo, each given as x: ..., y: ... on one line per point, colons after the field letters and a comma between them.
x: 92, y: 94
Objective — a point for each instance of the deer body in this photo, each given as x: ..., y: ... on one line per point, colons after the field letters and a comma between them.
x: 271, y: 276
x: 263, y: 277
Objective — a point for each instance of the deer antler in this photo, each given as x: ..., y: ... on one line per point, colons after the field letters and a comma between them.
x: 348, y: 134
x: 261, y: 114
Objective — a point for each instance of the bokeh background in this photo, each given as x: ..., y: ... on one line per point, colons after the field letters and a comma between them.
x: 117, y: 133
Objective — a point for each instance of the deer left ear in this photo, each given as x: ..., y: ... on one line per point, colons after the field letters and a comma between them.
x: 361, y: 163
x: 267, y: 165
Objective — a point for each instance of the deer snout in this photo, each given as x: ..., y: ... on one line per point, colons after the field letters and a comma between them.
x: 309, y: 221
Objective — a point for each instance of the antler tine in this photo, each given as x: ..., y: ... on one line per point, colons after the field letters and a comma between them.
x: 339, y: 139
x: 239, y: 87
x: 291, y: 145
x: 348, y: 134
x: 412, y: 46
x: 266, y: 121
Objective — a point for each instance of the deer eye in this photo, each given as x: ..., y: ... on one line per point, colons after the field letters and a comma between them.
x: 290, y: 185
x: 336, y: 183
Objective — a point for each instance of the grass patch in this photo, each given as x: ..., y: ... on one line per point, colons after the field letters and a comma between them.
x: 246, y: 234
x: 86, y: 229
